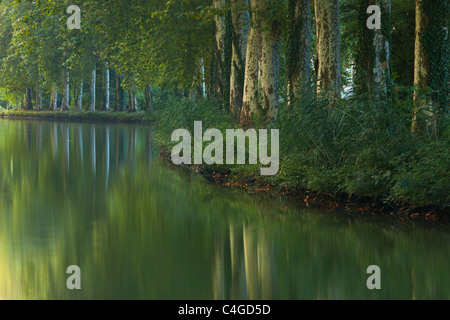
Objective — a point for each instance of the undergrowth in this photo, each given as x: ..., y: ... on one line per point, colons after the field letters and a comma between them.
x: 359, y: 146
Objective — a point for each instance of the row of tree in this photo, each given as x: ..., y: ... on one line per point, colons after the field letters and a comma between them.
x: 245, y: 53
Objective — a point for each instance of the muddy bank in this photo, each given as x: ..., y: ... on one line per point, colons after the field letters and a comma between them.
x: 351, y: 204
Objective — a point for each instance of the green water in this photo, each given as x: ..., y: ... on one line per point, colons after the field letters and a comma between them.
x: 98, y: 196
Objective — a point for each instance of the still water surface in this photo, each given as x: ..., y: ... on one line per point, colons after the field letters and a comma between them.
x: 98, y: 196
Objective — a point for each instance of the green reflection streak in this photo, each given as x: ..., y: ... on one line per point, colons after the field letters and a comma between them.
x: 99, y: 197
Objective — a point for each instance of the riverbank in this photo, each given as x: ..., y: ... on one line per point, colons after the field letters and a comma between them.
x: 79, y: 116
x: 247, y: 177
x: 342, y: 201
x: 363, y: 158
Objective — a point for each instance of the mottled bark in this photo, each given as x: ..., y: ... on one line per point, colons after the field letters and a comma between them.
x: 422, y: 69
x: 240, y: 19
x: 80, y: 97
x: 250, y: 96
x: 381, y: 43
x: 135, y: 99
x: 372, y: 59
x: 38, y: 96
x: 328, y: 47
x: 132, y: 100
x: 66, y: 92
x: 28, y: 104
x: 219, y: 41
x: 92, y: 90
x: 107, y: 96
x: 431, y: 65
x: 202, y: 73
x: 299, y: 45
x: 54, y: 98
x: 269, y: 61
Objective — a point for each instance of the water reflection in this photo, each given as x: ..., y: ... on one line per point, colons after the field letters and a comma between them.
x: 99, y: 197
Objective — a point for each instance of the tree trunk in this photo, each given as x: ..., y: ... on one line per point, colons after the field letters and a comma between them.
x: 93, y: 79
x: 219, y: 40
x: 116, y: 104
x: 328, y: 47
x: 269, y: 61
x: 222, y: 52
x: 299, y: 46
x: 202, y: 73
x: 381, y: 42
x: 119, y: 93
x: 149, y: 99
x: 431, y: 64
x: 80, y: 97
x: 107, y: 97
x: 422, y: 68
x: 66, y: 92
x: 132, y: 98
x: 135, y: 102
x: 240, y: 35
x: 54, y: 98
x: 28, y: 105
x: 250, y: 96
x: 38, y: 96
x: 372, y: 58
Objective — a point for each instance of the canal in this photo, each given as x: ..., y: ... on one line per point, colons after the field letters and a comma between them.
x: 98, y: 196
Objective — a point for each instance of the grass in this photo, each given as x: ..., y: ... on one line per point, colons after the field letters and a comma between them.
x: 356, y: 150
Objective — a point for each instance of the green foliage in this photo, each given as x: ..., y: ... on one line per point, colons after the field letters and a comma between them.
x: 361, y: 147
x: 150, y: 42
x: 173, y: 113
x: 422, y: 177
